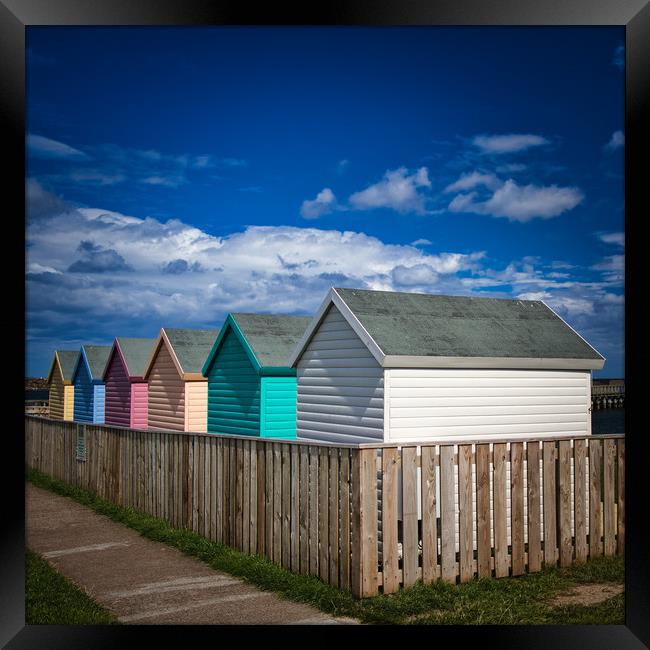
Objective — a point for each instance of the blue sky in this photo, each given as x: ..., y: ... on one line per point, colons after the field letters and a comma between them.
x: 176, y: 174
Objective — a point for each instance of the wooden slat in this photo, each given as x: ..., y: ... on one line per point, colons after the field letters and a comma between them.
x: 268, y: 496
x: 447, y: 509
x: 333, y: 516
x: 609, y: 499
x: 364, y: 523
x: 261, y: 499
x: 465, y: 512
x: 219, y: 481
x: 277, y: 503
x: 410, y: 553
x: 579, y: 506
x: 430, y: 566
x: 239, y: 494
x: 620, y: 483
x: 286, y: 506
x: 225, y: 513
x: 483, y: 518
x: 323, y: 512
x: 517, y: 522
x: 534, y: 508
x: 295, y: 508
x: 344, y: 521
x: 550, y: 513
x: 252, y: 535
x: 200, y: 483
x: 500, y: 514
x: 564, y: 471
x: 313, y: 510
x: 595, y: 504
x: 304, y: 509
x: 390, y: 556
x: 207, y: 487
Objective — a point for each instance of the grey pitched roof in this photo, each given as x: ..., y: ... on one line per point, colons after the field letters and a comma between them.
x: 68, y: 361
x: 272, y: 337
x: 97, y: 356
x: 136, y: 353
x: 191, y: 346
x: 436, y: 325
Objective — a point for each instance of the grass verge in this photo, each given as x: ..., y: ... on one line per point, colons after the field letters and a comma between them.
x: 506, y: 601
x: 51, y: 599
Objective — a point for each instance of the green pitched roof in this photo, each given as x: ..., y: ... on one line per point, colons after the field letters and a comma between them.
x: 67, y: 361
x: 136, y: 353
x: 97, y: 356
x: 272, y: 338
x: 191, y: 346
x: 411, y: 324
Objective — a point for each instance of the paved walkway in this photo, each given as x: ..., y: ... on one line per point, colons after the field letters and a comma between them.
x: 145, y: 582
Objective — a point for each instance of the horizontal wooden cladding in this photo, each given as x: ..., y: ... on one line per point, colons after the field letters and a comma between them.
x: 56, y: 395
x: 166, y: 394
x: 340, y: 385
x: 429, y: 403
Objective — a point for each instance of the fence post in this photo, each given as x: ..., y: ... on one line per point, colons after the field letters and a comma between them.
x: 364, y: 523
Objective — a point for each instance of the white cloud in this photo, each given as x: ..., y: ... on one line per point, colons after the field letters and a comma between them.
x: 615, y: 142
x: 521, y: 203
x: 324, y: 203
x: 398, y: 190
x: 421, y: 242
x: 41, y: 147
x: 617, y: 238
x: 472, y: 179
x: 342, y: 165
x: 510, y: 143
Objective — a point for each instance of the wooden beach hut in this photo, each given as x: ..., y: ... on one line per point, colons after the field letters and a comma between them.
x: 89, y: 390
x: 388, y: 366
x: 126, y: 389
x: 177, y: 391
x: 59, y: 379
x: 251, y: 387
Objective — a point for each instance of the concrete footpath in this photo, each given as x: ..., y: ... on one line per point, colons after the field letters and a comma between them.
x: 145, y: 582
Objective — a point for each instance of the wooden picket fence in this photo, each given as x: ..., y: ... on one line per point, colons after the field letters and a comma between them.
x: 349, y: 513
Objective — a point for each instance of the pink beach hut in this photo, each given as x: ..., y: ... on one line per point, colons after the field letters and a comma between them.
x: 126, y: 389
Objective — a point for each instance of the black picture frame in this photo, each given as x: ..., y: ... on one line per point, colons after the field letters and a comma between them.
x: 16, y: 15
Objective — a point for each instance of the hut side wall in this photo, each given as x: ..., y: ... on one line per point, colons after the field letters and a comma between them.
x: 99, y: 403
x: 233, y: 390
x: 139, y: 405
x: 84, y: 393
x: 68, y: 402
x: 278, y: 403
x: 425, y: 404
x: 166, y: 394
x: 118, y: 393
x: 196, y: 406
x: 340, y: 386
x: 56, y: 395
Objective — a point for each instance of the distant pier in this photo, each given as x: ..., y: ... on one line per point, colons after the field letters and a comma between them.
x: 607, y: 394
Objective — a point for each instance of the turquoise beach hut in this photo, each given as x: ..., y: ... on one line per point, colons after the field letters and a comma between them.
x: 89, y: 390
x: 251, y: 387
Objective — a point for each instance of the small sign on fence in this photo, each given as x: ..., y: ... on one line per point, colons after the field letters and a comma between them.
x: 81, y: 443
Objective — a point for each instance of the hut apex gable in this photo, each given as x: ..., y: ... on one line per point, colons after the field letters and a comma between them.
x: 66, y: 362
x: 268, y: 340
x: 95, y: 358
x: 230, y: 325
x: 333, y: 298
x: 134, y: 354
x: 188, y: 349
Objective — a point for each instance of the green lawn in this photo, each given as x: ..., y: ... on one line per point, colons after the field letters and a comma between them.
x: 506, y: 601
x: 50, y: 599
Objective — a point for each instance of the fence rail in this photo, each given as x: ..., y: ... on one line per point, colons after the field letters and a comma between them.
x: 362, y: 517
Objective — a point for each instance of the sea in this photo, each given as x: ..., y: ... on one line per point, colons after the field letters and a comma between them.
x: 606, y: 421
